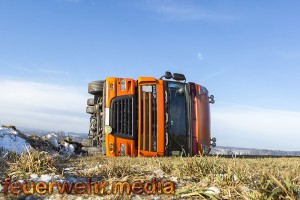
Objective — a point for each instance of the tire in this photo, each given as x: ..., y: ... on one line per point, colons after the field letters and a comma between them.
x: 96, y: 87
x: 91, y: 102
x: 90, y: 109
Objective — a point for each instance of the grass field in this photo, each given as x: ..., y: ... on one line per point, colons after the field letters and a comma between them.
x: 194, y: 177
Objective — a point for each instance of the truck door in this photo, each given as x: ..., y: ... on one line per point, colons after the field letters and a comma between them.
x: 150, y: 118
x: 178, y: 112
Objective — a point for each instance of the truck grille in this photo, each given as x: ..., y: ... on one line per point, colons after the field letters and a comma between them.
x: 123, y: 117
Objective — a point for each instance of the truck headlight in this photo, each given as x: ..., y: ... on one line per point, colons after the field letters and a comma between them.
x: 122, y: 150
x: 123, y: 85
x: 107, y: 129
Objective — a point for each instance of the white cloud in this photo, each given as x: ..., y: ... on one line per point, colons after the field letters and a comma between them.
x: 43, y: 70
x: 47, y: 71
x: 200, y: 56
x: 257, y: 127
x: 43, y: 106
x: 214, y: 74
x: 174, y: 10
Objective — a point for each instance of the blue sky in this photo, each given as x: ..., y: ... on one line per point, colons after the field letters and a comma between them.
x: 247, y: 53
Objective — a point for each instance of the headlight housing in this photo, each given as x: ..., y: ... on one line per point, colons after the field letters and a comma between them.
x: 122, y: 150
x: 123, y: 85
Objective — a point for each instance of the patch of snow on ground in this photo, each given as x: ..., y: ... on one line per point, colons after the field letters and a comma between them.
x: 33, y: 176
x: 10, y: 140
x: 67, y: 148
x: 45, y: 178
x: 52, y: 138
x: 213, y: 191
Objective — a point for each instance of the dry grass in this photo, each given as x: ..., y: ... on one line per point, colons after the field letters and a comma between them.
x: 31, y: 162
x: 267, y: 178
x: 5, y: 158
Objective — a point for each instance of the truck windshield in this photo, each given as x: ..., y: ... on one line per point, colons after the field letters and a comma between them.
x: 178, y: 130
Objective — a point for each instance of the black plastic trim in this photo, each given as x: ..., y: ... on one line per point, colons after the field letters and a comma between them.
x: 123, y: 117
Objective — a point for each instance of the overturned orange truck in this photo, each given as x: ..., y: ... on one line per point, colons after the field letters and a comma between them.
x: 149, y: 117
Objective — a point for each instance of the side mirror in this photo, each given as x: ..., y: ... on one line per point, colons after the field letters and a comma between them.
x: 178, y: 77
x: 211, y: 99
x: 167, y: 75
x: 213, y: 139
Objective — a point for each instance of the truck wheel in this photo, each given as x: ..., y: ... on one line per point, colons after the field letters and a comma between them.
x: 91, y: 102
x: 90, y: 109
x: 96, y: 87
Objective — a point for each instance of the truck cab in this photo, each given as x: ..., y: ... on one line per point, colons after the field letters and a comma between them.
x: 149, y: 117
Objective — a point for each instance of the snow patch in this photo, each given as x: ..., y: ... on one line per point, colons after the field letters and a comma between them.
x: 33, y: 176
x: 67, y: 149
x: 45, y: 178
x: 53, y: 139
x: 11, y: 141
x: 159, y: 173
x: 213, y: 191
